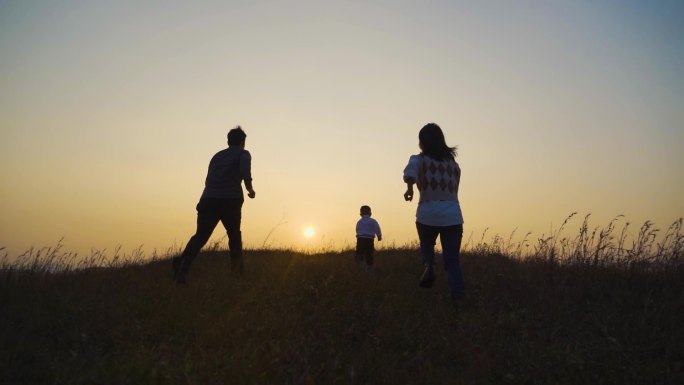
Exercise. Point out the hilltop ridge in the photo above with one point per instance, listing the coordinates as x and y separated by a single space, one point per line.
296 318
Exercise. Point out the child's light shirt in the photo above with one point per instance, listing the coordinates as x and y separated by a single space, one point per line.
368 227
433 212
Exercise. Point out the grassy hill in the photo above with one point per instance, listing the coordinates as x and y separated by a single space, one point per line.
297 318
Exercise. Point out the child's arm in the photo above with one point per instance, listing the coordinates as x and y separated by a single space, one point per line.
378 232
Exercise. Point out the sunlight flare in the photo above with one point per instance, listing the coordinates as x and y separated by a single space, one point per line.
309 232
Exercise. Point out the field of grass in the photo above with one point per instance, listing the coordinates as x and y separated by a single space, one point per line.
300 318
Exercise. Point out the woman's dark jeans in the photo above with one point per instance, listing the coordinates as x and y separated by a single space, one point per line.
450 237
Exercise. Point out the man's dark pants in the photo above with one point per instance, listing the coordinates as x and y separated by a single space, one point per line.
209 212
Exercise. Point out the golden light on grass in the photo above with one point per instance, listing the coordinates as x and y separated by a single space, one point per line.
309 232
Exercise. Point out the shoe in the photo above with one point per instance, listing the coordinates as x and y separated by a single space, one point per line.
176 263
457 303
428 277
179 276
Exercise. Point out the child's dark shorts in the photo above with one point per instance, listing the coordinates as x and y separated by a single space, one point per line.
364 250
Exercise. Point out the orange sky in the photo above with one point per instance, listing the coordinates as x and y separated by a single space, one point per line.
109 114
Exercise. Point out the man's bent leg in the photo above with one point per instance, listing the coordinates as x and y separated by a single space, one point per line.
235 249
231 219
207 219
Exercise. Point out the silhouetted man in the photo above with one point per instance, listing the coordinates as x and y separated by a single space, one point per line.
221 201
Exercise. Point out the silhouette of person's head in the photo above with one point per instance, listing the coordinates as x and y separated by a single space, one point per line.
432 142
365 210
236 137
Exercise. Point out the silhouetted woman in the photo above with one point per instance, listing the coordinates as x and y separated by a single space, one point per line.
437 176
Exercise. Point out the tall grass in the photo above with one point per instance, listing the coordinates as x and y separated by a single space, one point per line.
595 307
594 245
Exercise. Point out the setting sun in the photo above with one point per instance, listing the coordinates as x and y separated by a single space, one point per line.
309 232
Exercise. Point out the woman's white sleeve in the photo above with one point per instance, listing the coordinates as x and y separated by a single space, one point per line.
411 170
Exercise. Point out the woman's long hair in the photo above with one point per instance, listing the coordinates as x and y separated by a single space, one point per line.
433 144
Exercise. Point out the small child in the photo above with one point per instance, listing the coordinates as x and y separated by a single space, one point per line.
366 230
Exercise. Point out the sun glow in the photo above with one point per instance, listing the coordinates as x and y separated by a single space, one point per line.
309 232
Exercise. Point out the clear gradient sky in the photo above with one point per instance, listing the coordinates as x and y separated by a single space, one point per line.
111 111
